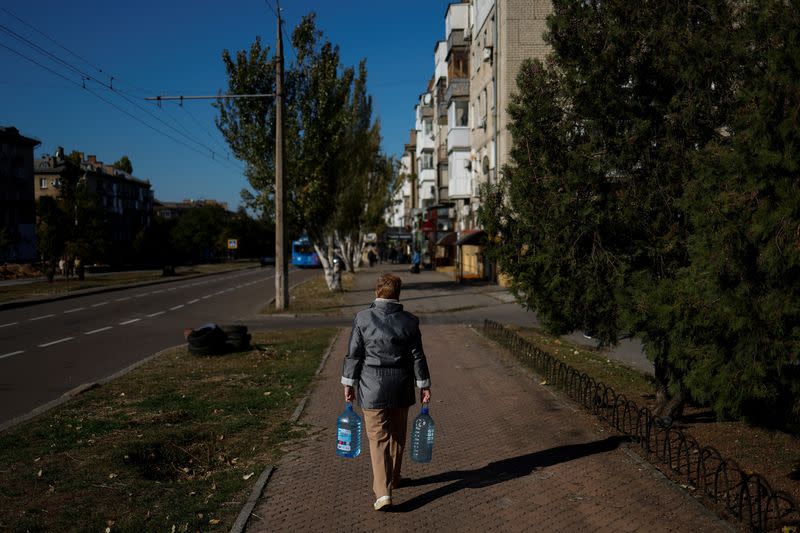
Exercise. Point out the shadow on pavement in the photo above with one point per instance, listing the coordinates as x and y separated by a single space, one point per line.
504 470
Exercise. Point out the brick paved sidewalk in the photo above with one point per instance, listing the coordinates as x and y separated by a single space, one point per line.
509 456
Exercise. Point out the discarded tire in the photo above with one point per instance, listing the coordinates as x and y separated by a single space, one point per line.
237 337
207 341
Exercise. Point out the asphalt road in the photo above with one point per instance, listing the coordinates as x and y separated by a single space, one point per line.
50 348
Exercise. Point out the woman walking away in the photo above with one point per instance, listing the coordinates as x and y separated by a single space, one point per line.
384 361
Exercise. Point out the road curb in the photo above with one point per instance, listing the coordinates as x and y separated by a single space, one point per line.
244 514
77 391
14 304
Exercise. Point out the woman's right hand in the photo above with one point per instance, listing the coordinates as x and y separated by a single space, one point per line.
424 395
349 393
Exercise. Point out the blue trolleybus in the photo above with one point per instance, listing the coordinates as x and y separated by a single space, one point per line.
303 254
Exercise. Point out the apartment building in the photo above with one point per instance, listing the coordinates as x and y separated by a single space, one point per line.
425 148
17 200
457 98
461 123
503 33
126 200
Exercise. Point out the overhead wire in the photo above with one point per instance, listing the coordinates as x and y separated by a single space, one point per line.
68 50
109 102
275 12
85 76
204 128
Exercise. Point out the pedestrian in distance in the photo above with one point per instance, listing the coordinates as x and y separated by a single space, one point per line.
415 262
384 361
62 267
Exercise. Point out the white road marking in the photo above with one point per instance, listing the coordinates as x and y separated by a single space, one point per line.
176 307
172 288
75 310
65 339
10 354
156 292
98 305
207 296
190 302
140 295
40 317
131 321
122 299
97 330
156 314
9 324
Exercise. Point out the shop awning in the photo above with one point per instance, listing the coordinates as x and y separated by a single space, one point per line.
474 238
448 239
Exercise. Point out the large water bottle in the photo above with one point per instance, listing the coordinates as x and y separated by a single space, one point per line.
422 437
348 429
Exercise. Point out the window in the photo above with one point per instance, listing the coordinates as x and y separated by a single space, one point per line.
427 126
427 160
42 183
462 115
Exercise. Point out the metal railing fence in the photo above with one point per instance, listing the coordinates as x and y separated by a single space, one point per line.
747 496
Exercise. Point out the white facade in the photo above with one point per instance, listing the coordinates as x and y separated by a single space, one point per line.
440 60
426 145
457 18
458 123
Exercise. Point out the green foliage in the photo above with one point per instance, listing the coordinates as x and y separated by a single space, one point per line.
154 245
660 148
200 233
124 164
334 174
51 230
745 247
75 157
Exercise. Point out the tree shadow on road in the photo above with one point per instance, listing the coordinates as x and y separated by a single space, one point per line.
504 470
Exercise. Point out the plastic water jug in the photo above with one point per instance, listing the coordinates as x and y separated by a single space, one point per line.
422 437
348 430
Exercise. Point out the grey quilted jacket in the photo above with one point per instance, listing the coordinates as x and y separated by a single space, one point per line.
385 358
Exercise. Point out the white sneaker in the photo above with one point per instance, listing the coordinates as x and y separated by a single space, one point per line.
382 502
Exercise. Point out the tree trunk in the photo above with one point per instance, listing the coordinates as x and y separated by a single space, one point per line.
332 273
668 406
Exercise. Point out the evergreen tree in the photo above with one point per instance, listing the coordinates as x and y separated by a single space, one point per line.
744 205
604 137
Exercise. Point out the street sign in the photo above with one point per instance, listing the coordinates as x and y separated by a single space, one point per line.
233 244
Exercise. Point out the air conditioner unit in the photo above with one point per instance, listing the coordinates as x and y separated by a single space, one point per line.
487 54
451 212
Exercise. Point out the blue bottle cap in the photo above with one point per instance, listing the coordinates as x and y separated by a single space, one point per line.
349 406
424 408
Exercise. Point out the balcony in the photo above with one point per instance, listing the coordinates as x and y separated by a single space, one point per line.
457 138
457 88
456 39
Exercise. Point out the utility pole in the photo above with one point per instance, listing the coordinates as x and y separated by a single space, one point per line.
281 266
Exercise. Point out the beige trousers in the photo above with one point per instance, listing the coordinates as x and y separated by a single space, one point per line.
386 431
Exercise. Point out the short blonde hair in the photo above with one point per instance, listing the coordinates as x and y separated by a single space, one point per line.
388 286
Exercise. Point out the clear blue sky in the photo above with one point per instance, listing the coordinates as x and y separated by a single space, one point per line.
174 47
